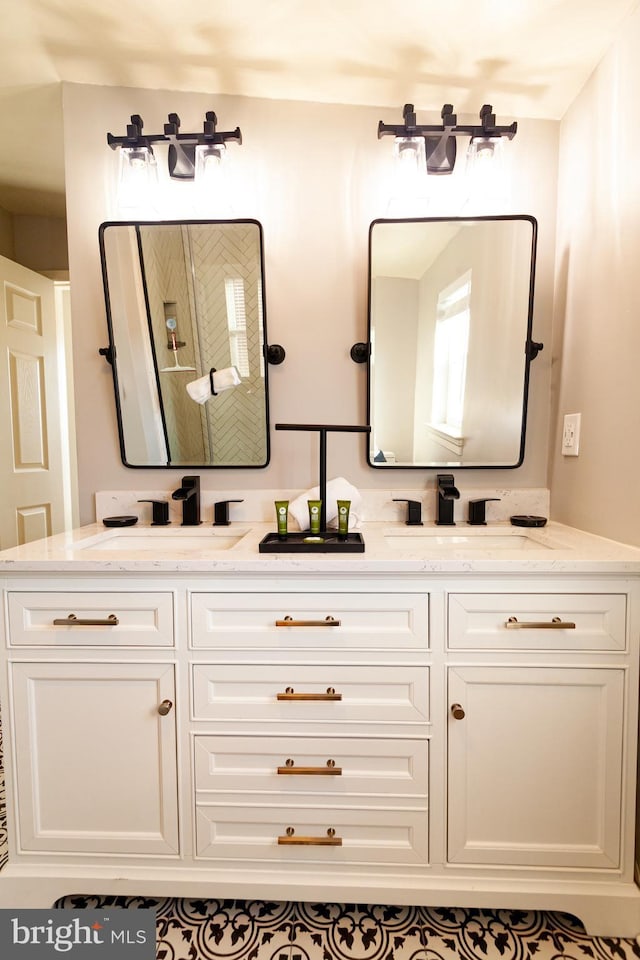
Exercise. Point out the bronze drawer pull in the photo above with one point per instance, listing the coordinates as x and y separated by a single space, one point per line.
165 707
457 711
330 770
290 694
329 841
555 624
73 621
290 622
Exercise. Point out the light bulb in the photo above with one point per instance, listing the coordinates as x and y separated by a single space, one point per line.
209 160
411 167
485 173
138 176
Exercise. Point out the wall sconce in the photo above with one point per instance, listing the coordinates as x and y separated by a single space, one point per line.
190 156
437 143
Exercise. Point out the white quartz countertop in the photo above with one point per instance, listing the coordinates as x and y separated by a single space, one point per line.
389 548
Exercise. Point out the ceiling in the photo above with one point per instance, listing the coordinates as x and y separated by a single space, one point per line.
529 58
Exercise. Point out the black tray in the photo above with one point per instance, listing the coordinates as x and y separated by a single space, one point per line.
294 543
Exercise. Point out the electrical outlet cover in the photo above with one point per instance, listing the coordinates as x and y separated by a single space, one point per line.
571 435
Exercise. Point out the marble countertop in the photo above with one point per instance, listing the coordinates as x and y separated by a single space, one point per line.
389 548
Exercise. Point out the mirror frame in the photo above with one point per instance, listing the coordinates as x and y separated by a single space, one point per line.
531 348
109 352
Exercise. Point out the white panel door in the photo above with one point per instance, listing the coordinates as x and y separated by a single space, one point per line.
535 765
95 759
32 453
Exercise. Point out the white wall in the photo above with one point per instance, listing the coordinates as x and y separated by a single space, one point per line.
597 313
315 175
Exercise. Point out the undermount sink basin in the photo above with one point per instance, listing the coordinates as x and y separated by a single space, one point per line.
163 542
424 539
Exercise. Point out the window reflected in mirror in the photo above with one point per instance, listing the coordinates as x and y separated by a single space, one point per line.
450 311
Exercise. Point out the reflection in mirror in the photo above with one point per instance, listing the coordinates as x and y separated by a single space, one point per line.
450 307
185 299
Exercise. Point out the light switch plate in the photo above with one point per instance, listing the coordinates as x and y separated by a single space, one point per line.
571 435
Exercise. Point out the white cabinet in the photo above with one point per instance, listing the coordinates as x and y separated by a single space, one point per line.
92 722
534 766
292 736
536 728
335 770
95 758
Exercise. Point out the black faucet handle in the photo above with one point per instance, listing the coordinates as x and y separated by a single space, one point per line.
221 512
159 512
414 511
477 516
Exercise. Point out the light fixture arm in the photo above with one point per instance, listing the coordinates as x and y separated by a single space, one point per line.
182 146
440 139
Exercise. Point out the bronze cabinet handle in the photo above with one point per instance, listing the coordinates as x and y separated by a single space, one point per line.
165 707
290 694
73 621
457 711
329 841
330 770
290 622
556 623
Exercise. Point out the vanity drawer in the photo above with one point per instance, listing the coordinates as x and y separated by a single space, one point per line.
143 619
264 621
359 835
300 694
331 767
485 621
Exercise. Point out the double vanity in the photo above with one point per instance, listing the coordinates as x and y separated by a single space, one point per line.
449 718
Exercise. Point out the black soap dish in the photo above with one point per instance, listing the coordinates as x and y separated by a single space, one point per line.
119 521
305 542
525 520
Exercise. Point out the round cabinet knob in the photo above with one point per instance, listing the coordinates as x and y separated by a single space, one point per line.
457 711
165 708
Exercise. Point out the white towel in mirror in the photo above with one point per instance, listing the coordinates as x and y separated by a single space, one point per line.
200 389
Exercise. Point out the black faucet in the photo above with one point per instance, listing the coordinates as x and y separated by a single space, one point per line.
189 493
447 493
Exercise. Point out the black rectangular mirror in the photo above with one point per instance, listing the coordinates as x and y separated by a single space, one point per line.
450 314
184 299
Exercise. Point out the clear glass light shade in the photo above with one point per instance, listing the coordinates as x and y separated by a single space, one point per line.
485 166
410 167
210 158
137 177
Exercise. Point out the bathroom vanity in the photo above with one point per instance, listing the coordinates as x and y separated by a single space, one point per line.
444 719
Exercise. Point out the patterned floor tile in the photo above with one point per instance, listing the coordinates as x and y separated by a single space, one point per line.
514 934
264 930
230 929
357 932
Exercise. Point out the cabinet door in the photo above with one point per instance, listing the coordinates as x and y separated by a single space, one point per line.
95 760
535 766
